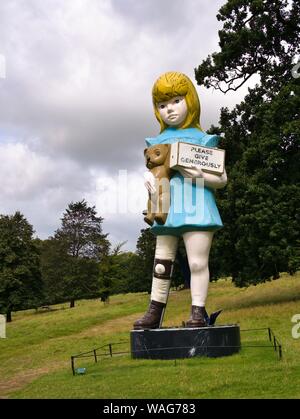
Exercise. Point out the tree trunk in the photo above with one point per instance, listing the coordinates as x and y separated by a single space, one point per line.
8 316
72 303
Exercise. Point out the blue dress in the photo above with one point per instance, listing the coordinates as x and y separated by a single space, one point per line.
193 207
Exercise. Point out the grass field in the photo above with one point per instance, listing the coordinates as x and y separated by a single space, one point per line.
35 357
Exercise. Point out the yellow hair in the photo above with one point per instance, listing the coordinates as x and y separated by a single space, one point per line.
172 84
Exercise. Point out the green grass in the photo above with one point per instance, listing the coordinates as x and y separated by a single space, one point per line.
35 358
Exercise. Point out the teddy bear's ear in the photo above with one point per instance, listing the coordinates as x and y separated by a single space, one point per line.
145 150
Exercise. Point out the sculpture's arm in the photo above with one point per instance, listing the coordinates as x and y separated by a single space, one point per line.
215 181
210 180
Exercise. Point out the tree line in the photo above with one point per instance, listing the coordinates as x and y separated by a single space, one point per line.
78 262
260 205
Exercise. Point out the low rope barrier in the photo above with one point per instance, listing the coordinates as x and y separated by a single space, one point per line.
275 344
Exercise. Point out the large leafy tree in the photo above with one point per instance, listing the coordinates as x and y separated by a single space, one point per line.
81 232
260 204
20 278
145 250
117 273
55 267
72 258
258 37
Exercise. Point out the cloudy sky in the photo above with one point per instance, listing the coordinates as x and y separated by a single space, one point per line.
75 100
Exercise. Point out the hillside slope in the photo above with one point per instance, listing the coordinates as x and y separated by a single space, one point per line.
35 358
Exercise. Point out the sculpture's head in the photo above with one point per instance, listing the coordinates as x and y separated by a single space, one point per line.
156 155
176 89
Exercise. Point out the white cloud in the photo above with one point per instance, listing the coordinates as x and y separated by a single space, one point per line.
39 186
25 173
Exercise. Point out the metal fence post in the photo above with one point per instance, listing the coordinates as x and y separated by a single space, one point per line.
270 336
275 344
72 365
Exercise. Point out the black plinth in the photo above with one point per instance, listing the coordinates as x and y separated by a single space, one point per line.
175 343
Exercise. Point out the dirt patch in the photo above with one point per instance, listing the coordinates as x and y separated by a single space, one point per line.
20 380
24 378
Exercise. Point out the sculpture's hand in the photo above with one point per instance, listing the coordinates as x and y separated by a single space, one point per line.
191 172
149 182
211 180
215 181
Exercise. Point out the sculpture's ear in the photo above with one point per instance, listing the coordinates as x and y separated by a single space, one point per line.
145 150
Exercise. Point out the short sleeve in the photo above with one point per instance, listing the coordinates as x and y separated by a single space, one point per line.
150 141
211 140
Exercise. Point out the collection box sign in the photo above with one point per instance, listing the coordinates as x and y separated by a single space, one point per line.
209 159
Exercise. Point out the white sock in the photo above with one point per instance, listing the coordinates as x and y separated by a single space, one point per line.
160 290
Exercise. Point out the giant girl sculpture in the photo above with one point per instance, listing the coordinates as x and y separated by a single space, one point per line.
177 109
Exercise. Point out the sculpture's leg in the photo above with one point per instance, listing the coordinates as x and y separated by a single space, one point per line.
198 244
166 248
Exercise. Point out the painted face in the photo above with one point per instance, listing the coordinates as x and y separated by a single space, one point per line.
174 111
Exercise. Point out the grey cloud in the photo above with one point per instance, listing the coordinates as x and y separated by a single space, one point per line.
124 229
160 15
34 95
167 16
78 91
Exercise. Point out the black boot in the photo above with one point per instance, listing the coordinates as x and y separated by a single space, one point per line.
197 318
151 318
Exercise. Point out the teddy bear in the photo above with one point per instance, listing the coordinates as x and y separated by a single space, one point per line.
158 162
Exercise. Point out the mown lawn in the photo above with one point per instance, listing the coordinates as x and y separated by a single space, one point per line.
35 358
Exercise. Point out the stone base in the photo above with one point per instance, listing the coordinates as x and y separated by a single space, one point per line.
175 343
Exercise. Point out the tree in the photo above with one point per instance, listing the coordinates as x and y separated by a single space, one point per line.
117 273
105 283
259 207
110 273
84 247
55 266
145 250
258 37
20 278
81 231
